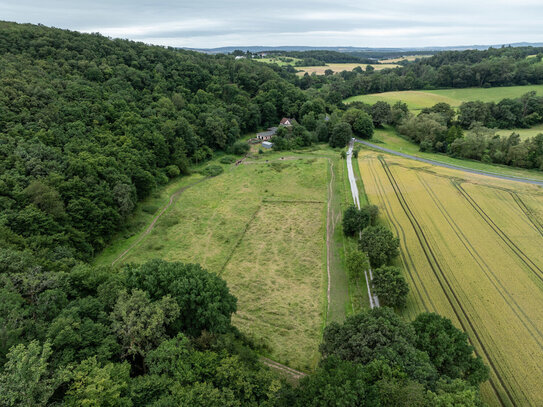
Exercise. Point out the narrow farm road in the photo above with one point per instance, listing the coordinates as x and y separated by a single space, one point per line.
451 166
374 301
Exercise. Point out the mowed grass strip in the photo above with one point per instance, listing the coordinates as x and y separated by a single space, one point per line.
477 280
277 274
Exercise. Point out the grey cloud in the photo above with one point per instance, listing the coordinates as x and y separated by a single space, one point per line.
210 23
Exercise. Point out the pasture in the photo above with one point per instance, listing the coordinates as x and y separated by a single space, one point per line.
418 100
470 250
262 227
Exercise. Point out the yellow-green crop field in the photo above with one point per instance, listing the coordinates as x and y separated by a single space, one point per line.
472 250
262 227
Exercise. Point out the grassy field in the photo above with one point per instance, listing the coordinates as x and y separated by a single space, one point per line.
523 133
390 139
471 250
319 70
262 227
417 100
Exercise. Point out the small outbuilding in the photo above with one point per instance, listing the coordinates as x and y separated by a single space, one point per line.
267 144
266 135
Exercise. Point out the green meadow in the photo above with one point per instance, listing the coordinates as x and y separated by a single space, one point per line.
417 100
262 226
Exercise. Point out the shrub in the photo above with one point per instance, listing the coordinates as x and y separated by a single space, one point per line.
227 159
240 147
172 171
212 170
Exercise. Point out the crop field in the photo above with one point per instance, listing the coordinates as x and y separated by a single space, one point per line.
262 227
405 58
471 250
319 70
417 100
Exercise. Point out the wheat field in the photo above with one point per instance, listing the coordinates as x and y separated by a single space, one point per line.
471 249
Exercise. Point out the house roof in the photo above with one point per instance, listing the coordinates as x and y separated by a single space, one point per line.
286 120
270 132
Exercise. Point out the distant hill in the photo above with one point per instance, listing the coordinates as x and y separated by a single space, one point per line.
260 48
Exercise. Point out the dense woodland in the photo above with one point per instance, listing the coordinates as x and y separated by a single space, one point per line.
90 125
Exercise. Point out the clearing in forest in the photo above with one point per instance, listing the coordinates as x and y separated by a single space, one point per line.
262 227
471 250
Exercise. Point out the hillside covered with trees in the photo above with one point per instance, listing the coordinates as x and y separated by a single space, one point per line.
89 126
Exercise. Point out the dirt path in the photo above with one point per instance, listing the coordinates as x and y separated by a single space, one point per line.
330 226
374 300
288 371
172 199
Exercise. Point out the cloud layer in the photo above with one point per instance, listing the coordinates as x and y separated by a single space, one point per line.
213 23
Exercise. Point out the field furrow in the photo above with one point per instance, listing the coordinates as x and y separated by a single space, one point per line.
476 250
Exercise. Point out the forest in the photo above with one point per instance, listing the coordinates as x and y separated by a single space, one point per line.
89 126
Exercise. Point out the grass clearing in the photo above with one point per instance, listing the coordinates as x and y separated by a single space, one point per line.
276 274
523 133
418 100
261 226
470 250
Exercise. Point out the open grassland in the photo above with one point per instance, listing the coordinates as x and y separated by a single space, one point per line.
276 274
390 139
417 100
471 250
319 70
523 133
262 227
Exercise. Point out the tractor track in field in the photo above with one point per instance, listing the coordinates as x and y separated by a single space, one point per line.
407 260
150 228
486 269
528 212
293 373
501 234
443 281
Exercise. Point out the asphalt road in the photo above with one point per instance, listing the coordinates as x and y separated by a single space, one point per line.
451 166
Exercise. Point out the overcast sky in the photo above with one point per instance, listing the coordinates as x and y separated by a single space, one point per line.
217 23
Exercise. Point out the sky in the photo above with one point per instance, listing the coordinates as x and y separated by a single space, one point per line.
362 23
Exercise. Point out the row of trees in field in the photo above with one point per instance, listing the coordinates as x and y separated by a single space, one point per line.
377 248
452 69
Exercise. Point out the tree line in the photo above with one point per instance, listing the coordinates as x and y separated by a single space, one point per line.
494 67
